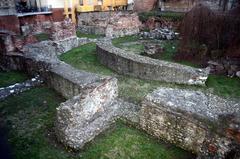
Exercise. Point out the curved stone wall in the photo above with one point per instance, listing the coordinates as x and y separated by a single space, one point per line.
148 68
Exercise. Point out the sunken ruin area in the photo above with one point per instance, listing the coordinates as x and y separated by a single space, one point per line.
179 108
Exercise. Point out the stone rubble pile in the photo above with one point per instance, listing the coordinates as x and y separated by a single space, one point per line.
160 34
230 67
153 50
19 87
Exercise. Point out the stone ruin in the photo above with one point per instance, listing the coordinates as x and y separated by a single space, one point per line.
183 117
147 68
56 30
186 118
110 24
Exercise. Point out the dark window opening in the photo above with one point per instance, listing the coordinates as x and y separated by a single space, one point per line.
26 6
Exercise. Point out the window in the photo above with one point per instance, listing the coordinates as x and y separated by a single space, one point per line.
81 2
25 6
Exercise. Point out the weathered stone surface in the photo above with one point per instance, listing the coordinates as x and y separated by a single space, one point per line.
51 49
122 24
63 30
160 33
184 117
148 68
77 117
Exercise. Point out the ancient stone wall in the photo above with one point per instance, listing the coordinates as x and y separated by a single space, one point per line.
186 118
10 24
62 30
148 68
111 24
123 24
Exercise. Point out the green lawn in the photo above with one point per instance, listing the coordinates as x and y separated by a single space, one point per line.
12 77
91 36
29 121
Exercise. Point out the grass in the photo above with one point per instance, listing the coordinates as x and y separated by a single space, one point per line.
90 36
119 41
85 58
224 86
12 77
29 117
174 16
125 142
42 36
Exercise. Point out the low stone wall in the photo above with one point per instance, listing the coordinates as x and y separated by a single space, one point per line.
185 118
75 117
91 106
148 68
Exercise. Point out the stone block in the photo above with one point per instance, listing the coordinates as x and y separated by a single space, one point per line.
84 116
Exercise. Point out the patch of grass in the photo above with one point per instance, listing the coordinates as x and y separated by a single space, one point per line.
174 16
42 36
125 142
85 58
12 77
29 119
119 41
170 51
90 36
224 86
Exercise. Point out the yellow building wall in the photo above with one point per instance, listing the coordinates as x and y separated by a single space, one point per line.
94 5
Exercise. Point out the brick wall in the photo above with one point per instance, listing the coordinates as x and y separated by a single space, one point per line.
9 23
144 5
